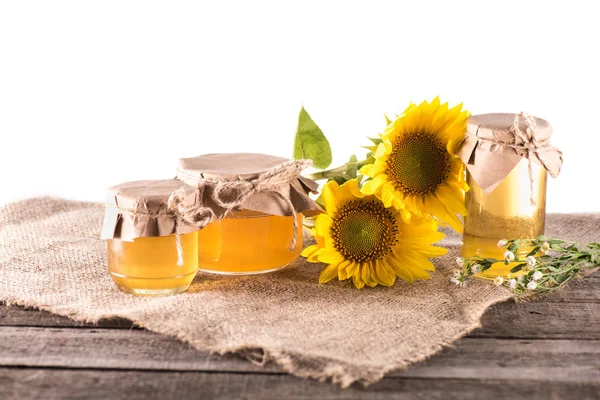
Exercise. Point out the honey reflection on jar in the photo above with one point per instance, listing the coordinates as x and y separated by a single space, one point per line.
249 242
505 213
148 265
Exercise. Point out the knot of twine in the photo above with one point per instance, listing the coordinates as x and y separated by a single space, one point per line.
230 194
526 144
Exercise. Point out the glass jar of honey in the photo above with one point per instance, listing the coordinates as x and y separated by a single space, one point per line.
257 203
150 252
507 158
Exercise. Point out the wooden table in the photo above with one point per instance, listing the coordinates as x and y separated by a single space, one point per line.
545 349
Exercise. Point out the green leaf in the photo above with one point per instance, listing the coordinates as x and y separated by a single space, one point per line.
387 120
517 268
320 201
534 251
353 166
311 143
339 179
375 141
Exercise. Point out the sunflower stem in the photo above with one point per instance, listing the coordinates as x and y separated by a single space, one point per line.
341 171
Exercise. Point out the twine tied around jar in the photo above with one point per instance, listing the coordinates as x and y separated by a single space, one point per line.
230 194
526 144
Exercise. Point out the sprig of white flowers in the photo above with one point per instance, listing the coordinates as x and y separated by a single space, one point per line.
549 264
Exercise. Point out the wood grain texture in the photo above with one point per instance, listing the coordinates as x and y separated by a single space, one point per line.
131 385
24 316
545 349
556 360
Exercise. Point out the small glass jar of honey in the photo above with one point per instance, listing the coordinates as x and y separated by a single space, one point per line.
149 251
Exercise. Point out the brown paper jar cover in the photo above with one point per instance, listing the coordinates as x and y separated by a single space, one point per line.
488 162
202 170
141 209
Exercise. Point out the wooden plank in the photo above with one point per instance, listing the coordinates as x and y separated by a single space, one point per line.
110 349
581 290
555 360
541 320
27 316
26 384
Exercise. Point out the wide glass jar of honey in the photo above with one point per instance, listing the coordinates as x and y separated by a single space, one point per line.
150 251
256 204
508 157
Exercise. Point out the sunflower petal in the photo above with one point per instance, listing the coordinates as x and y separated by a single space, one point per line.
328 194
453 199
330 257
385 275
343 271
373 186
358 283
330 272
323 225
387 195
400 269
310 250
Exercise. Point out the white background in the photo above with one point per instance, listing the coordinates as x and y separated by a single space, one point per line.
93 93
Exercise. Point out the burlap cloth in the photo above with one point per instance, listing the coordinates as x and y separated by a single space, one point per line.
51 258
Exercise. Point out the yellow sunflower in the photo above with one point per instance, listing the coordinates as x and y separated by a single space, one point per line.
415 168
364 241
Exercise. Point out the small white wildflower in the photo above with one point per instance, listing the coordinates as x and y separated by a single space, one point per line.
531 285
502 243
537 275
512 284
475 268
531 261
498 280
457 273
509 256
458 282
545 248
460 262
520 278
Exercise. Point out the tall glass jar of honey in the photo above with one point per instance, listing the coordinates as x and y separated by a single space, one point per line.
507 157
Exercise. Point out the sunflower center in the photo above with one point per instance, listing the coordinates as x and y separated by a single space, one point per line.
364 231
418 164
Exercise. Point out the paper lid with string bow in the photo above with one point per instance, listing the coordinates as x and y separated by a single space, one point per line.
141 209
249 181
495 143
208 189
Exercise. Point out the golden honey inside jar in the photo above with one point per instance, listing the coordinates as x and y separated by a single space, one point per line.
249 242
505 213
148 266
144 256
507 157
258 202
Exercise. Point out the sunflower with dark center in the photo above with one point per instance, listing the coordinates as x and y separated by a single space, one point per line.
363 240
415 168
